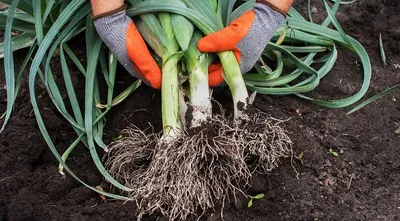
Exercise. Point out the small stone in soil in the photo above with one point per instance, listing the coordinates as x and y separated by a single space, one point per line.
214 217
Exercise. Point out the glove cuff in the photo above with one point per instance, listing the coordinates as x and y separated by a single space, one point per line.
266 21
112 12
281 6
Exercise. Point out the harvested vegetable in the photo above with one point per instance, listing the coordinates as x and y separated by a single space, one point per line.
201 158
208 157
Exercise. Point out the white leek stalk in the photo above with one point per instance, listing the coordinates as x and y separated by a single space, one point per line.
199 95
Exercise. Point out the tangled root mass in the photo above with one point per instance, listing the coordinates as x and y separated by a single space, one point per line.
198 169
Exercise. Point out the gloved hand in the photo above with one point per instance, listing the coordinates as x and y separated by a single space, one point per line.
247 36
121 36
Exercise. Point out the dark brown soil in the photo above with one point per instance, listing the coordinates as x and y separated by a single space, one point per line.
362 183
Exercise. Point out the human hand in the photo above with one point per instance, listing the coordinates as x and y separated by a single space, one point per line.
247 36
121 36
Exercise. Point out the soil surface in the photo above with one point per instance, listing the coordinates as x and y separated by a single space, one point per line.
362 183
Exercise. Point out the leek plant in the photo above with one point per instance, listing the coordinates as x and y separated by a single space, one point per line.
201 158
199 94
208 159
170 54
188 167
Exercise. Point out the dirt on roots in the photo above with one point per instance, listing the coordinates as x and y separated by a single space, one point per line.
198 169
362 183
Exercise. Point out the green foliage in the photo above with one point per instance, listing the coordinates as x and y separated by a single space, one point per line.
382 49
252 198
374 98
57 22
334 153
312 35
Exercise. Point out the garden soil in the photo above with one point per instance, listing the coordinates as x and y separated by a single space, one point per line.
361 183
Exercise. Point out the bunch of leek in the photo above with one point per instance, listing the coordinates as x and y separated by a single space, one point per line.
201 158
48 30
179 178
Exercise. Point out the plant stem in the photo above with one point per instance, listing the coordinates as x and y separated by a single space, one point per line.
199 95
170 97
234 79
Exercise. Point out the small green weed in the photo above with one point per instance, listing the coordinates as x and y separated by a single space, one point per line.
252 198
334 153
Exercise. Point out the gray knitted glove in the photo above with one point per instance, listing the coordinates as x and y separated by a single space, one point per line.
120 35
247 36
265 23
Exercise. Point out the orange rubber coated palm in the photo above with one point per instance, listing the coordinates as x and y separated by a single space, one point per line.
142 60
225 40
